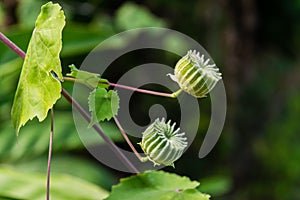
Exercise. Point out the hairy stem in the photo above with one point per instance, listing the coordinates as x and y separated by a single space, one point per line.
21 53
50 155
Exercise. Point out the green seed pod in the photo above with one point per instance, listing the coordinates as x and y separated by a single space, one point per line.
162 144
194 75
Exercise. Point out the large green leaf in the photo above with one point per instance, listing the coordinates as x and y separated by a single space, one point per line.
157 185
19 185
34 140
103 104
38 89
74 165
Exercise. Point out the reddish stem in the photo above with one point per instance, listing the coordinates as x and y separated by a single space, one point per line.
12 45
127 139
142 90
114 148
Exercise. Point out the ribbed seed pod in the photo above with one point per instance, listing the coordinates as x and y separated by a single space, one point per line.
162 144
195 75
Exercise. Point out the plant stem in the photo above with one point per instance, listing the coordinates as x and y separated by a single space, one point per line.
114 148
50 155
73 80
77 81
12 45
21 53
172 95
142 159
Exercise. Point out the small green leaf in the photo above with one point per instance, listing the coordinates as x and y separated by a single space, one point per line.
103 104
157 185
91 79
37 89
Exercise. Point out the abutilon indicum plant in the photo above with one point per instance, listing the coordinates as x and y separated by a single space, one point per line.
162 142
195 75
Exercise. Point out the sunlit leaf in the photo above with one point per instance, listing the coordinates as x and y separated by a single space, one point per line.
157 185
19 185
38 90
103 104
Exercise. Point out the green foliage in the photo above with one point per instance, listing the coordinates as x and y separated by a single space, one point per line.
157 185
103 104
216 185
283 134
64 163
19 185
1 14
131 16
28 11
38 90
33 142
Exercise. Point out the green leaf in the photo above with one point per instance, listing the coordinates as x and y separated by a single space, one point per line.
157 185
80 39
103 104
131 15
19 185
88 78
34 140
28 10
70 164
37 89
216 185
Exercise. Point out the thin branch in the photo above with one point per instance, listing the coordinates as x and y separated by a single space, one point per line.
113 147
12 45
70 79
65 78
76 80
128 141
172 95
50 155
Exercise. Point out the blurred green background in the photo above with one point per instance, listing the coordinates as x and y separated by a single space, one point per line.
256 46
